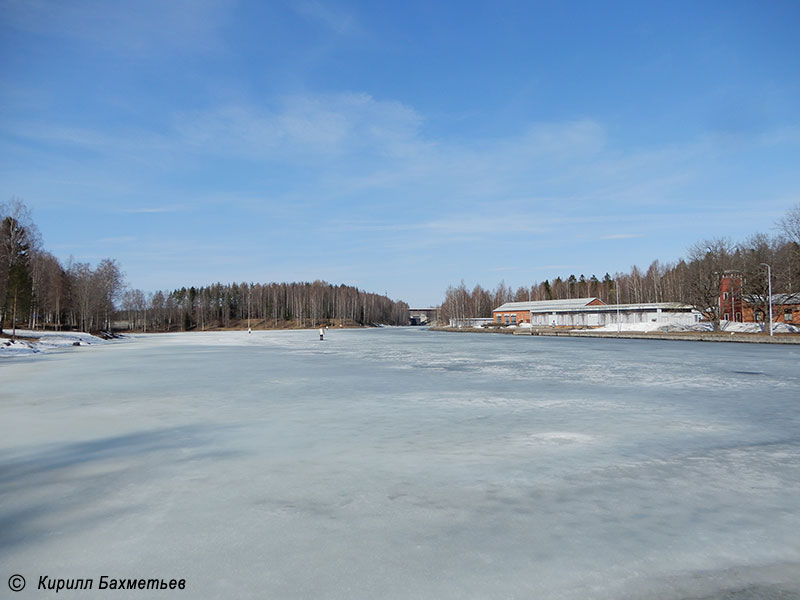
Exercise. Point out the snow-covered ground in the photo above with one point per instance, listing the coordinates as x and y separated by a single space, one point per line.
728 326
403 463
32 341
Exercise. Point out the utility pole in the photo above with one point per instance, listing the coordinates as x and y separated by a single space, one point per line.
769 287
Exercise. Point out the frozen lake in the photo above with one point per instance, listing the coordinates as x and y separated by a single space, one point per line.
402 463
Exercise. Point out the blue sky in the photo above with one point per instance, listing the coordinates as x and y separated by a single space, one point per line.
399 147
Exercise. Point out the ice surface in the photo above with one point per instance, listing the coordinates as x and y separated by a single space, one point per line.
404 463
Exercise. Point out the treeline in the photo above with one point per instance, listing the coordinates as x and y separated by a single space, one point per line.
693 280
271 305
38 292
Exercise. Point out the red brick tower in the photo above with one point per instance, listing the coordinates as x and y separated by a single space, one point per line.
730 296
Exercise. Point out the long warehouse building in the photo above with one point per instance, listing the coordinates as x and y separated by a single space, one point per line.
592 312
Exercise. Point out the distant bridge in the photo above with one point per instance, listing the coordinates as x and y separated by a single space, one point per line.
422 316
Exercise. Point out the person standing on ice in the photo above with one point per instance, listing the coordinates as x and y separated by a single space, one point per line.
321 334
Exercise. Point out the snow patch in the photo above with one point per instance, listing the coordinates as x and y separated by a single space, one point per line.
560 437
627 327
727 326
33 341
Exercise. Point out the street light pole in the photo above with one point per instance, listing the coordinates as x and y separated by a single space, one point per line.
769 287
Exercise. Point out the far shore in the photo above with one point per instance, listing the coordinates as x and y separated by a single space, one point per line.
34 334
690 336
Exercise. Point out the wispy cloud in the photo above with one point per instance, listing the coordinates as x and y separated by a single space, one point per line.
352 145
150 210
91 245
122 239
337 20
547 267
146 28
622 236
55 134
290 160
321 125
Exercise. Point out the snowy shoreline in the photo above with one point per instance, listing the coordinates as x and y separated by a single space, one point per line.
702 332
725 327
30 341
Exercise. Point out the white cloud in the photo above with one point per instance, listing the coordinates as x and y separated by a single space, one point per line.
352 145
323 125
550 181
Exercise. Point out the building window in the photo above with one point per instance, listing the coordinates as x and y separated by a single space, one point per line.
726 317
506 319
513 319
787 314
724 295
738 317
759 316
499 319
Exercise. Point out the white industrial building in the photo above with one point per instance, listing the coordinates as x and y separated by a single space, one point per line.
593 312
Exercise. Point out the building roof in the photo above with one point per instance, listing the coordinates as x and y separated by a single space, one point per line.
783 299
645 306
582 305
542 305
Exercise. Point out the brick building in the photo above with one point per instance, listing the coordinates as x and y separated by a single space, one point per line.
785 309
731 300
736 306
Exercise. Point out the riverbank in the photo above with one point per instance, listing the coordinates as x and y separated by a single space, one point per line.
29 341
685 336
254 325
